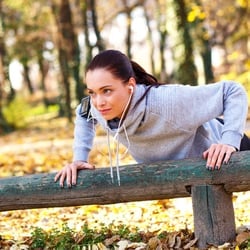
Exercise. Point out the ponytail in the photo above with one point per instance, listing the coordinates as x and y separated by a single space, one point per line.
142 77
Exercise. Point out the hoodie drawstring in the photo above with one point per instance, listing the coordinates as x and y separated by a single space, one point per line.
116 138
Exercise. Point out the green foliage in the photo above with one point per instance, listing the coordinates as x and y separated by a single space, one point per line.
91 237
126 233
67 238
41 110
16 111
39 238
54 240
19 112
62 239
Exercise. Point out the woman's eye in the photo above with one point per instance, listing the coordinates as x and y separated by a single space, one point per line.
91 93
107 91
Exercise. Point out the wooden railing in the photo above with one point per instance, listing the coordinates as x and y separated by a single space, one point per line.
211 191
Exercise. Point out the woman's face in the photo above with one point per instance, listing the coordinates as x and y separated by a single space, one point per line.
109 95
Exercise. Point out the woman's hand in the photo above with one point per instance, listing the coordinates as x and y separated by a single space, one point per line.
69 172
217 154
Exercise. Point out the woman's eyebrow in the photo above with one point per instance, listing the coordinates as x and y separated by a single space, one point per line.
103 87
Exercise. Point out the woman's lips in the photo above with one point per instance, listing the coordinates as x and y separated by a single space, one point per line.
104 111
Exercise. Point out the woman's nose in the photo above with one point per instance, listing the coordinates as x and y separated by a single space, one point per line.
100 101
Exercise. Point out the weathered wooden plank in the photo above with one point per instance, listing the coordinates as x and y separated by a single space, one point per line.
160 180
214 222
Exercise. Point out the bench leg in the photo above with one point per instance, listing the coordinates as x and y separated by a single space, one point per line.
214 222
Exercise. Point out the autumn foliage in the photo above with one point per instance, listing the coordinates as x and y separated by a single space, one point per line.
45 146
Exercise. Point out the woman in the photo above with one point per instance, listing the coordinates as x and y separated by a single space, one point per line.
155 121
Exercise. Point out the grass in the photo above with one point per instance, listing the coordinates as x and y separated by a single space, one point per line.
69 239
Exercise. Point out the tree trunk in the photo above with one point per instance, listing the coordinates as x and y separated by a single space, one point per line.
206 55
88 47
127 12
79 89
43 70
65 107
68 52
129 34
4 126
99 42
27 77
186 73
151 43
161 21
2 80
206 51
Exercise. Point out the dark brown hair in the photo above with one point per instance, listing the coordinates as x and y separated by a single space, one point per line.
122 68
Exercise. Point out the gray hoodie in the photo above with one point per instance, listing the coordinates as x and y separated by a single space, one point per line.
172 122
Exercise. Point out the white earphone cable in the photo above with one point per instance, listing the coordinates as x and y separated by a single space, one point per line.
116 137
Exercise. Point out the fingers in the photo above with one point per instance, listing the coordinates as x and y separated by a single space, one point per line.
69 172
63 174
57 176
72 176
218 154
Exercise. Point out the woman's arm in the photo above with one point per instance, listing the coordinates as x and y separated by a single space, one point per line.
84 133
197 105
193 106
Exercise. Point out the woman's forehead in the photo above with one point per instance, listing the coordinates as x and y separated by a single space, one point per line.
100 78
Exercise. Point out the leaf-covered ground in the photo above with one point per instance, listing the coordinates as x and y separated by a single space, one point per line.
45 147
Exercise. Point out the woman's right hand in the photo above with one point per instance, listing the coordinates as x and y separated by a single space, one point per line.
69 172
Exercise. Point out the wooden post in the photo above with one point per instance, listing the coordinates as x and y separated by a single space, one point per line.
214 222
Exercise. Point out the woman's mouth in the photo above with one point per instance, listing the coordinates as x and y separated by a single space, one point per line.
104 111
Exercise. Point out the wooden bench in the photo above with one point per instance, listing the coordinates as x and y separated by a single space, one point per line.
211 191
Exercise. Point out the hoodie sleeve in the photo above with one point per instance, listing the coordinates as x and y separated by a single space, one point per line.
84 133
193 106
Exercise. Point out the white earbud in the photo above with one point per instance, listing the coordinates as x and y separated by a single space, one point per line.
131 88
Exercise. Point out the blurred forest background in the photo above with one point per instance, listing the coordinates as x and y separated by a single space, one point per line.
46 44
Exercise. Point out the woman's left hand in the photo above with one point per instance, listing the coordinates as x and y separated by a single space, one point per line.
217 154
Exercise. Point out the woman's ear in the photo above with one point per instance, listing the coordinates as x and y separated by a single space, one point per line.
131 88
131 83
